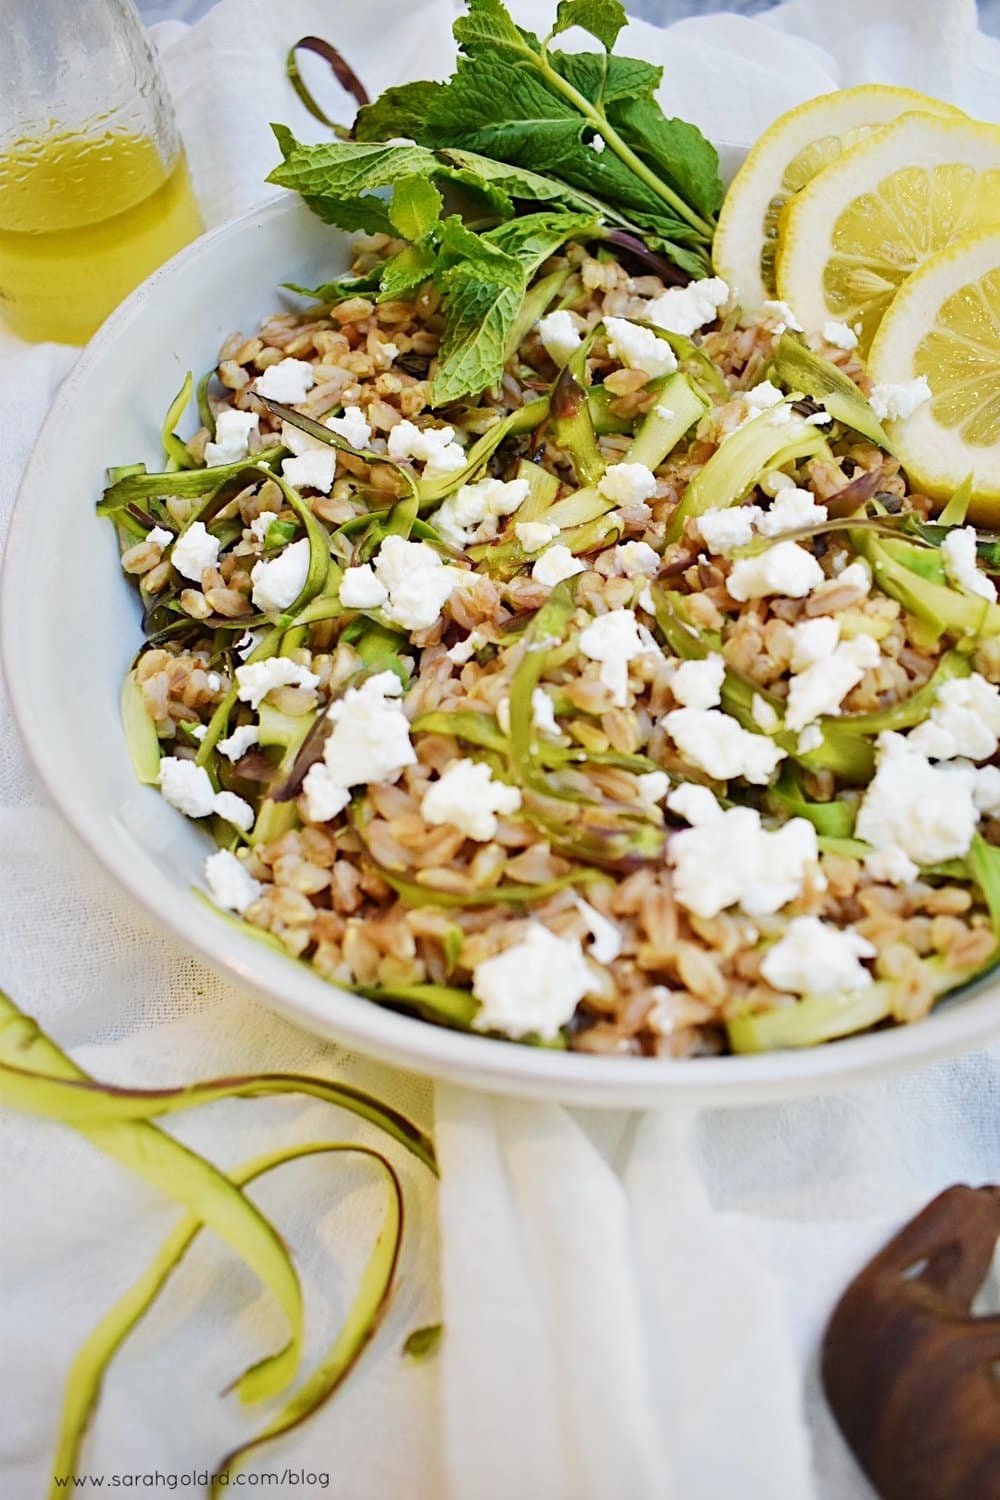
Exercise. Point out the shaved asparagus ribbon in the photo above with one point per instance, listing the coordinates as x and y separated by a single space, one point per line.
36 1076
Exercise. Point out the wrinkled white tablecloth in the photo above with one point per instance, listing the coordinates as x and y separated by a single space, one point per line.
632 1305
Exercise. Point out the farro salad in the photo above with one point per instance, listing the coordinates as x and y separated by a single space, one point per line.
553 645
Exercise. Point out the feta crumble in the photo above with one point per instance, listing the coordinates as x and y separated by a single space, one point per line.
839 334
236 745
636 560
559 334
965 720
256 679
195 550
695 803
534 535
697 684
790 509
763 396
278 583
897 403
772 308
556 563
466 796
639 348
259 524
814 958
434 447
312 470
370 741
732 860
763 715
821 688
605 938
543 715
928 812
417 582
532 988
288 381
473 513
627 484
721 747
728 528
785 568
814 640
232 437
234 809
160 537
229 883
188 787
685 309
360 589
810 739
890 866
652 787
352 426
464 651
958 553
614 640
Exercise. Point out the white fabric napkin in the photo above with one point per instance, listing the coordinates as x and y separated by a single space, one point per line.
632 1304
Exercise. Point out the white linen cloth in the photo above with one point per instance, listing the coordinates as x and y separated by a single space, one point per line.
632 1304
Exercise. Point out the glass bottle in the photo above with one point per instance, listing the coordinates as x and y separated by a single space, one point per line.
94 188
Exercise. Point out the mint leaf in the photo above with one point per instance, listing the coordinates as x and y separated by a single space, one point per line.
488 26
602 18
484 288
400 111
344 168
674 148
416 207
403 273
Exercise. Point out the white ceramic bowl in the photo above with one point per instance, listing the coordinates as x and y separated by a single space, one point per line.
70 626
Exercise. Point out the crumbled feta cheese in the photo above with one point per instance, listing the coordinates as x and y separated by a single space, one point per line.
927 811
473 513
732 860
819 419
986 788
965 720
556 563
229 883
857 575
790 509
234 810
697 684
597 143
559 334
958 553
664 412
278 583
772 308
257 678
298 442
721 747
198 731
636 560
236 745
896 403
695 803
213 682
605 937
639 348
822 687
543 715
763 715
533 535
685 309
360 589
532 988
323 795
160 536
259 524
314 470
732 526
232 437
464 651
352 426
287 381
762 397
810 739
774 481
652 786
186 786
248 643
466 796
839 334
434 447
814 640
386 352
370 741
195 550
816 958
627 484
890 866
786 568
416 580
614 640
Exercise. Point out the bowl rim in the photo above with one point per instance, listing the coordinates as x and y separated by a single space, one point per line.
301 995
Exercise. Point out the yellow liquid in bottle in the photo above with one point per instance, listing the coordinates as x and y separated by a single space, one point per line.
82 221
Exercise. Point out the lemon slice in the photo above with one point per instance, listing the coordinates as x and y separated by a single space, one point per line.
944 324
787 156
864 224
